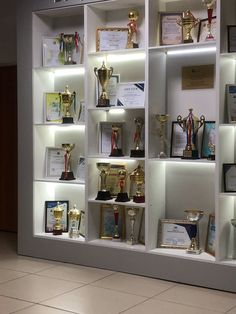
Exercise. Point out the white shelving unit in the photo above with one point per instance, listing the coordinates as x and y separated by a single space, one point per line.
171 185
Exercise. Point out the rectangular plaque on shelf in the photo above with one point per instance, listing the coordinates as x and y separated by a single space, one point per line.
49 217
198 76
178 140
208 139
52 108
230 90
229 174
54 161
210 239
111 38
130 94
170 32
231 38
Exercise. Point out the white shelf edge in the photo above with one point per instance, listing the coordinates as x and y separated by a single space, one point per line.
200 160
227 194
62 67
183 46
117 244
112 202
63 237
46 180
121 51
227 124
126 158
116 107
229 262
61 125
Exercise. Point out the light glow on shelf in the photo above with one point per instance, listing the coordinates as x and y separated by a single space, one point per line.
67 128
116 111
189 51
122 57
67 71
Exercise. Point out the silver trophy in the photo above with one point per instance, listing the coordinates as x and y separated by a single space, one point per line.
132 212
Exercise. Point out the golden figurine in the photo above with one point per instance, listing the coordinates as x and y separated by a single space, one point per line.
137 178
67 174
133 29
122 196
138 151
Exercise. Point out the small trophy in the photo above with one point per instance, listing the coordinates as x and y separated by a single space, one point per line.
103 194
137 178
115 140
68 105
122 196
103 75
133 29
67 174
69 43
187 22
132 212
74 219
162 119
116 235
194 215
210 5
190 126
138 151
57 213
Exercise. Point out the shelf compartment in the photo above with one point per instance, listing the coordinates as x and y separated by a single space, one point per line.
118 245
113 202
202 47
63 237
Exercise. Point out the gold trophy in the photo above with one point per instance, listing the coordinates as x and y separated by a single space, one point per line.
122 196
103 75
116 151
74 219
69 43
132 212
116 235
133 29
187 22
103 194
57 213
137 179
162 119
68 105
210 5
190 126
67 174
194 215
138 151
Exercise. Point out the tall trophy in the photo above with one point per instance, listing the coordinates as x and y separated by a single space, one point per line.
138 150
103 75
116 151
116 235
187 22
162 119
68 105
103 194
210 5
69 43
133 29
194 215
57 213
190 126
132 212
137 179
67 174
122 196
74 219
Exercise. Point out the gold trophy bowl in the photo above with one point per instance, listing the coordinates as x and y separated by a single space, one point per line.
57 213
187 22
194 215
74 217
67 102
103 194
162 119
67 174
103 75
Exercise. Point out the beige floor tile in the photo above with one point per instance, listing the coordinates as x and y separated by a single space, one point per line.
199 297
40 309
35 288
75 273
232 311
95 300
146 287
8 305
6 275
161 307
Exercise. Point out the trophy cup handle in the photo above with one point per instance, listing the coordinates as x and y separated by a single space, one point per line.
96 71
110 72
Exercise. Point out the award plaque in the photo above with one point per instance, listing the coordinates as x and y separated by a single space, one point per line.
52 108
112 222
130 94
229 172
111 38
231 102
170 32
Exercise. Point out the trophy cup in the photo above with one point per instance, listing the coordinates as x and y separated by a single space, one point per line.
103 75
115 136
162 119
122 196
187 22
194 215
116 235
69 42
138 151
137 178
74 217
67 174
210 5
103 194
190 126
67 102
133 29
57 213
132 212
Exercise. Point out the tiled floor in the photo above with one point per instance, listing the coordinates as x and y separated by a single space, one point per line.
33 286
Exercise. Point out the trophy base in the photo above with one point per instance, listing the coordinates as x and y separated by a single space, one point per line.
116 238
188 41
131 241
116 153
73 233
69 62
103 196
103 103
57 232
196 252
67 176
190 154
162 155
67 120
211 157
139 199
132 45
137 153
122 197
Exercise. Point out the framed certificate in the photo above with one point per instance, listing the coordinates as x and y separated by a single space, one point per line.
49 217
203 30
130 94
229 173
112 38
54 161
208 139
170 32
198 76
51 52
82 224
105 136
52 108
178 140
174 233
210 239
111 89
231 102
231 38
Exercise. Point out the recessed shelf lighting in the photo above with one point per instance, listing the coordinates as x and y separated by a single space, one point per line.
189 51
67 71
